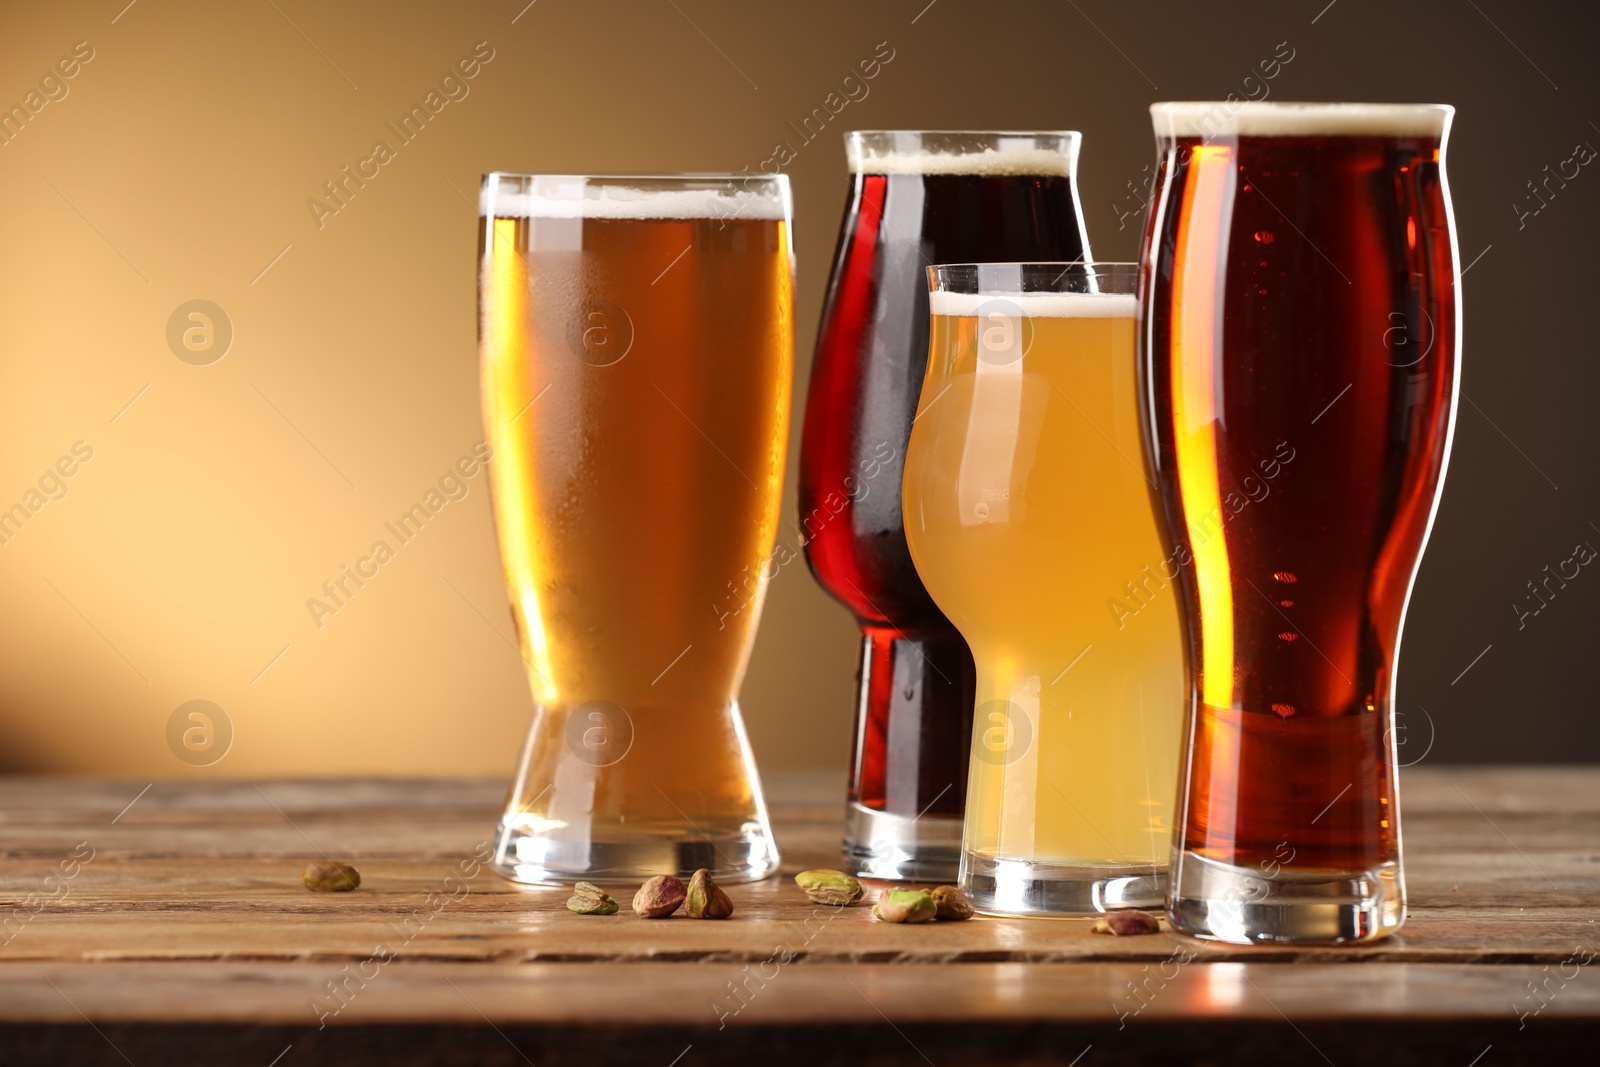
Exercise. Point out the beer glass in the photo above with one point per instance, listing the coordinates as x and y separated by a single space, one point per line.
1030 520
636 345
1299 331
916 198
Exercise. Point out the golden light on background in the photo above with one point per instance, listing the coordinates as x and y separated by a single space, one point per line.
178 493
239 309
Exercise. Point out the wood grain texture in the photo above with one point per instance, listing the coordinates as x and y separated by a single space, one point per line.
188 930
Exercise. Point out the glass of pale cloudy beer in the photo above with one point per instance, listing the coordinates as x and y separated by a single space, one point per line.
1029 516
1300 331
636 347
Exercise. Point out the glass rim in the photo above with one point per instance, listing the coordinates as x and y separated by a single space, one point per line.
1291 118
1297 105
707 176
754 196
1094 266
963 133
967 153
1015 278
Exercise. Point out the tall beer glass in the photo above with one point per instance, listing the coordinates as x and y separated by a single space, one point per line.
636 344
916 198
1299 333
1030 520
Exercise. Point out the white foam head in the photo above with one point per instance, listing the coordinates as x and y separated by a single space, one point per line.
556 197
1036 305
1206 119
891 152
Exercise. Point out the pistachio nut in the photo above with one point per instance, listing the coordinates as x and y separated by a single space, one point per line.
589 899
904 906
1127 922
659 897
326 876
705 899
951 902
829 887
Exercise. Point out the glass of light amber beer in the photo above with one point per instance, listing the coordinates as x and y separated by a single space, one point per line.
636 347
1029 517
1299 320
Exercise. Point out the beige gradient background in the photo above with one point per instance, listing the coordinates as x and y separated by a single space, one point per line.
178 167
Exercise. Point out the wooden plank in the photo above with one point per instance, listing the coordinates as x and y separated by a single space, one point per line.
741 994
443 1013
209 871
258 914
187 932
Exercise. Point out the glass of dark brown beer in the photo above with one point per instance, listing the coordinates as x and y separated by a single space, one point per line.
636 347
1299 333
916 198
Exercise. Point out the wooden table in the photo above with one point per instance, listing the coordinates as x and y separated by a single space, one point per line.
177 932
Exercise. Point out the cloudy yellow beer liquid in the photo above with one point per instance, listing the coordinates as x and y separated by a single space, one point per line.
1029 519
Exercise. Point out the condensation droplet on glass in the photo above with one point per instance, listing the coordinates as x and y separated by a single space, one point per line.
981 510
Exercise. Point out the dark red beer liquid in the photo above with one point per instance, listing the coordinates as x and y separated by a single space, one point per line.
914 711
1332 393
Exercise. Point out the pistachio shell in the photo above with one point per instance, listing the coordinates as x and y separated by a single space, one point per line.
705 899
659 897
589 899
951 902
904 906
1127 922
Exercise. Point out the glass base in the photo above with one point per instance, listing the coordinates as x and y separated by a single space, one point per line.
539 859
1241 905
896 848
1033 887
580 809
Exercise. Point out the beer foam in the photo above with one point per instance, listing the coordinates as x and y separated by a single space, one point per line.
1037 305
1206 119
989 163
623 202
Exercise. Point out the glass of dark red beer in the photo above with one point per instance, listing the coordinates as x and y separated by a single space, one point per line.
917 198
1299 328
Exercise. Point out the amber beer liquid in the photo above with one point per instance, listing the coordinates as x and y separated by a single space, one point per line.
1030 521
636 352
1300 332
